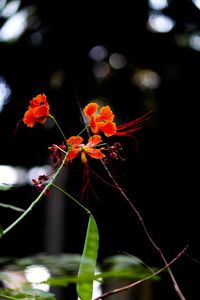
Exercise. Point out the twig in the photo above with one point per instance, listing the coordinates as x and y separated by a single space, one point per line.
175 284
129 286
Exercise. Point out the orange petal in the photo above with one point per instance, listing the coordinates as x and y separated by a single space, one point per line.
72 154
94 140
90 109
106 114
74 140
41 111
93 124
29 118
108 128
96 154
38 100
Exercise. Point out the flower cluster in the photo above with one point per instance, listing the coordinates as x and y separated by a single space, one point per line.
76 147
38 111
40 184
101 123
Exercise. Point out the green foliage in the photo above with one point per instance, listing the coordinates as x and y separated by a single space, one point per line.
1 231
64 264
26 294
125 267
11 207
88 262
64 269
5 187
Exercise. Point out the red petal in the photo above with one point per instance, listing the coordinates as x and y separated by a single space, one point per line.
90 109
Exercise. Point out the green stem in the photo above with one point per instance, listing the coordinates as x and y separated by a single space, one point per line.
71 197
36 200
3 232
52 117
83 130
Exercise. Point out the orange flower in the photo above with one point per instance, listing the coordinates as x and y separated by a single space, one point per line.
38 111
76 147
102 121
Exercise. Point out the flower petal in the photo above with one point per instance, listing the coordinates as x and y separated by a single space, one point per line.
72 154
106 114
96 153
41 111
94 140
38 111
40 99
93 124
75 140
90 109
108 128
29 118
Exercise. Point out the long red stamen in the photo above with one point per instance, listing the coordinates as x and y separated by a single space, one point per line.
87 183
133 126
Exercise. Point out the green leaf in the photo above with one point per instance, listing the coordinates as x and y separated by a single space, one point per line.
61 281
1 231
11 207
26 294
88 262
126 266
5 187
58 265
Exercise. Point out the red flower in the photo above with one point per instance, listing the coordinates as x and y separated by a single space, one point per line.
38 111
102 121
76 147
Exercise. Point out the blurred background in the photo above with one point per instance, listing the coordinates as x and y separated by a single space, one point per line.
135 57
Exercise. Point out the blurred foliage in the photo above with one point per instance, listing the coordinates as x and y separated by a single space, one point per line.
64 271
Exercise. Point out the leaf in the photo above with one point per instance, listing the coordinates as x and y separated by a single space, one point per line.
58 265
88 262
5 187
1 231
126 266
61 281
129 274
26 294
11 207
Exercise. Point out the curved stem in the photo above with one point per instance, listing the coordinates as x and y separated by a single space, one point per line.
52 117
3 232
71 197
36 200
175 284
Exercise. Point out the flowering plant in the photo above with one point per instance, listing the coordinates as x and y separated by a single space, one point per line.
100 127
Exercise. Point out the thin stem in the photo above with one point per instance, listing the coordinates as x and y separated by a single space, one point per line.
127 287
148 235
36 200
175 284
52 117
71 197
47 186
60 149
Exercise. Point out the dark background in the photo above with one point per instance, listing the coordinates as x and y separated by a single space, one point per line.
160 178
